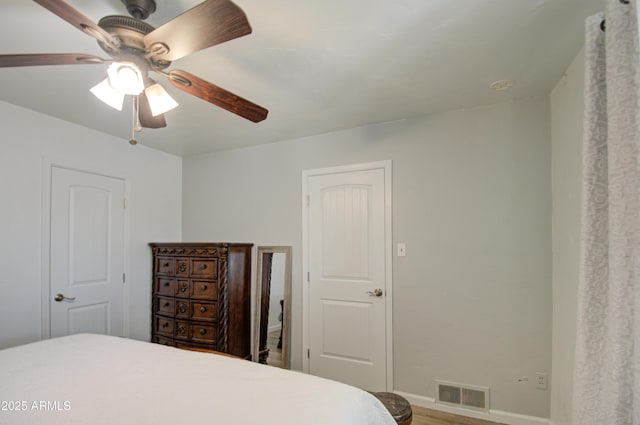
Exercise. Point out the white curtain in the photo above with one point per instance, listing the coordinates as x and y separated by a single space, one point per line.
607 368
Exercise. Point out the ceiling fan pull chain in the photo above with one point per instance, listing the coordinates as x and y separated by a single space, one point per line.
134 121
136 116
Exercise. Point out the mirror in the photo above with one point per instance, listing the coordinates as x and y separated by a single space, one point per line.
273 306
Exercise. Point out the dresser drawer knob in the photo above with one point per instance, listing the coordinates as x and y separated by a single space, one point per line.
203 288
166 284
203 309
182 308
165 324
183 288
182 330
203 331
165 265
203 266
167 304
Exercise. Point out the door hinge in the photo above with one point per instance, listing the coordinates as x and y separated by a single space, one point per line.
308 200
124 203
308 277
308 353
124 278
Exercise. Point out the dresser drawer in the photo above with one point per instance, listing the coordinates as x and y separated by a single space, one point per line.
165 306
182 267
201 346
182 330
182 309
165 341
165 286
164 326
203 333
203 311
165 266
182 288
204 290
206 269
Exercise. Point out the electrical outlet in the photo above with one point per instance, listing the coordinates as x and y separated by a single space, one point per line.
541 381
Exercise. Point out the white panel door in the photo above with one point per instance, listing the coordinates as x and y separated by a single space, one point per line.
347 323
86 254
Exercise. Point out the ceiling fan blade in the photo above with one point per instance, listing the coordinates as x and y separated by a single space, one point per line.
77 19
147 120
8 61
209 23
217 95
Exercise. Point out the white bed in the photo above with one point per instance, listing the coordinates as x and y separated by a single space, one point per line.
94 379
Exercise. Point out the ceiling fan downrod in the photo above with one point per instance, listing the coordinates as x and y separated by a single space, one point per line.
140 9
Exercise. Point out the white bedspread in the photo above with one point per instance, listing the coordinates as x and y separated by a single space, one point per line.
94 379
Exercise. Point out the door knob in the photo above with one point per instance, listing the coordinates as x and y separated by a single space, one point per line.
60 297
375 293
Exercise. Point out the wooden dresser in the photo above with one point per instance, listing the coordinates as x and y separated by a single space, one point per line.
202 296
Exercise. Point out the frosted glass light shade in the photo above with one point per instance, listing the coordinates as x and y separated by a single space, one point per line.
159 100
108 95
126 78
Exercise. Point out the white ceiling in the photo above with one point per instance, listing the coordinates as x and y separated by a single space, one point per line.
317 66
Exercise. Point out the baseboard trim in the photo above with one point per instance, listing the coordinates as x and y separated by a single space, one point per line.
493 415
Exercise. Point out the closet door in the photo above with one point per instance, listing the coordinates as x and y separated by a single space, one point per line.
347 278
86 253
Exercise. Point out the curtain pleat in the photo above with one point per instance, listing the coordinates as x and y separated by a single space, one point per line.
607 367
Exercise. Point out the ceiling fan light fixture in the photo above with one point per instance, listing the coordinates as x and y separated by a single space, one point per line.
137 48
108 94
159 100
125 77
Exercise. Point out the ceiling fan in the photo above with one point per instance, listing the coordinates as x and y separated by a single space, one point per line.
136 48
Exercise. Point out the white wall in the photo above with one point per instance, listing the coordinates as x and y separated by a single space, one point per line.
471 199
567 105
154 184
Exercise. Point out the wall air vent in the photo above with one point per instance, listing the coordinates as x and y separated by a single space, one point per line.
462 395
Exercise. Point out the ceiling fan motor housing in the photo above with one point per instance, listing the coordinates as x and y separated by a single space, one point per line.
140 9
130 34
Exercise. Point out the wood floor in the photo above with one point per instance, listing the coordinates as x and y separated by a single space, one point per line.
275 354
422 416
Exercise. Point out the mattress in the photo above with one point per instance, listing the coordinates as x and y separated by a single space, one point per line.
96 379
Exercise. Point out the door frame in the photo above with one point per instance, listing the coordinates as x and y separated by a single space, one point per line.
385 165
48 165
